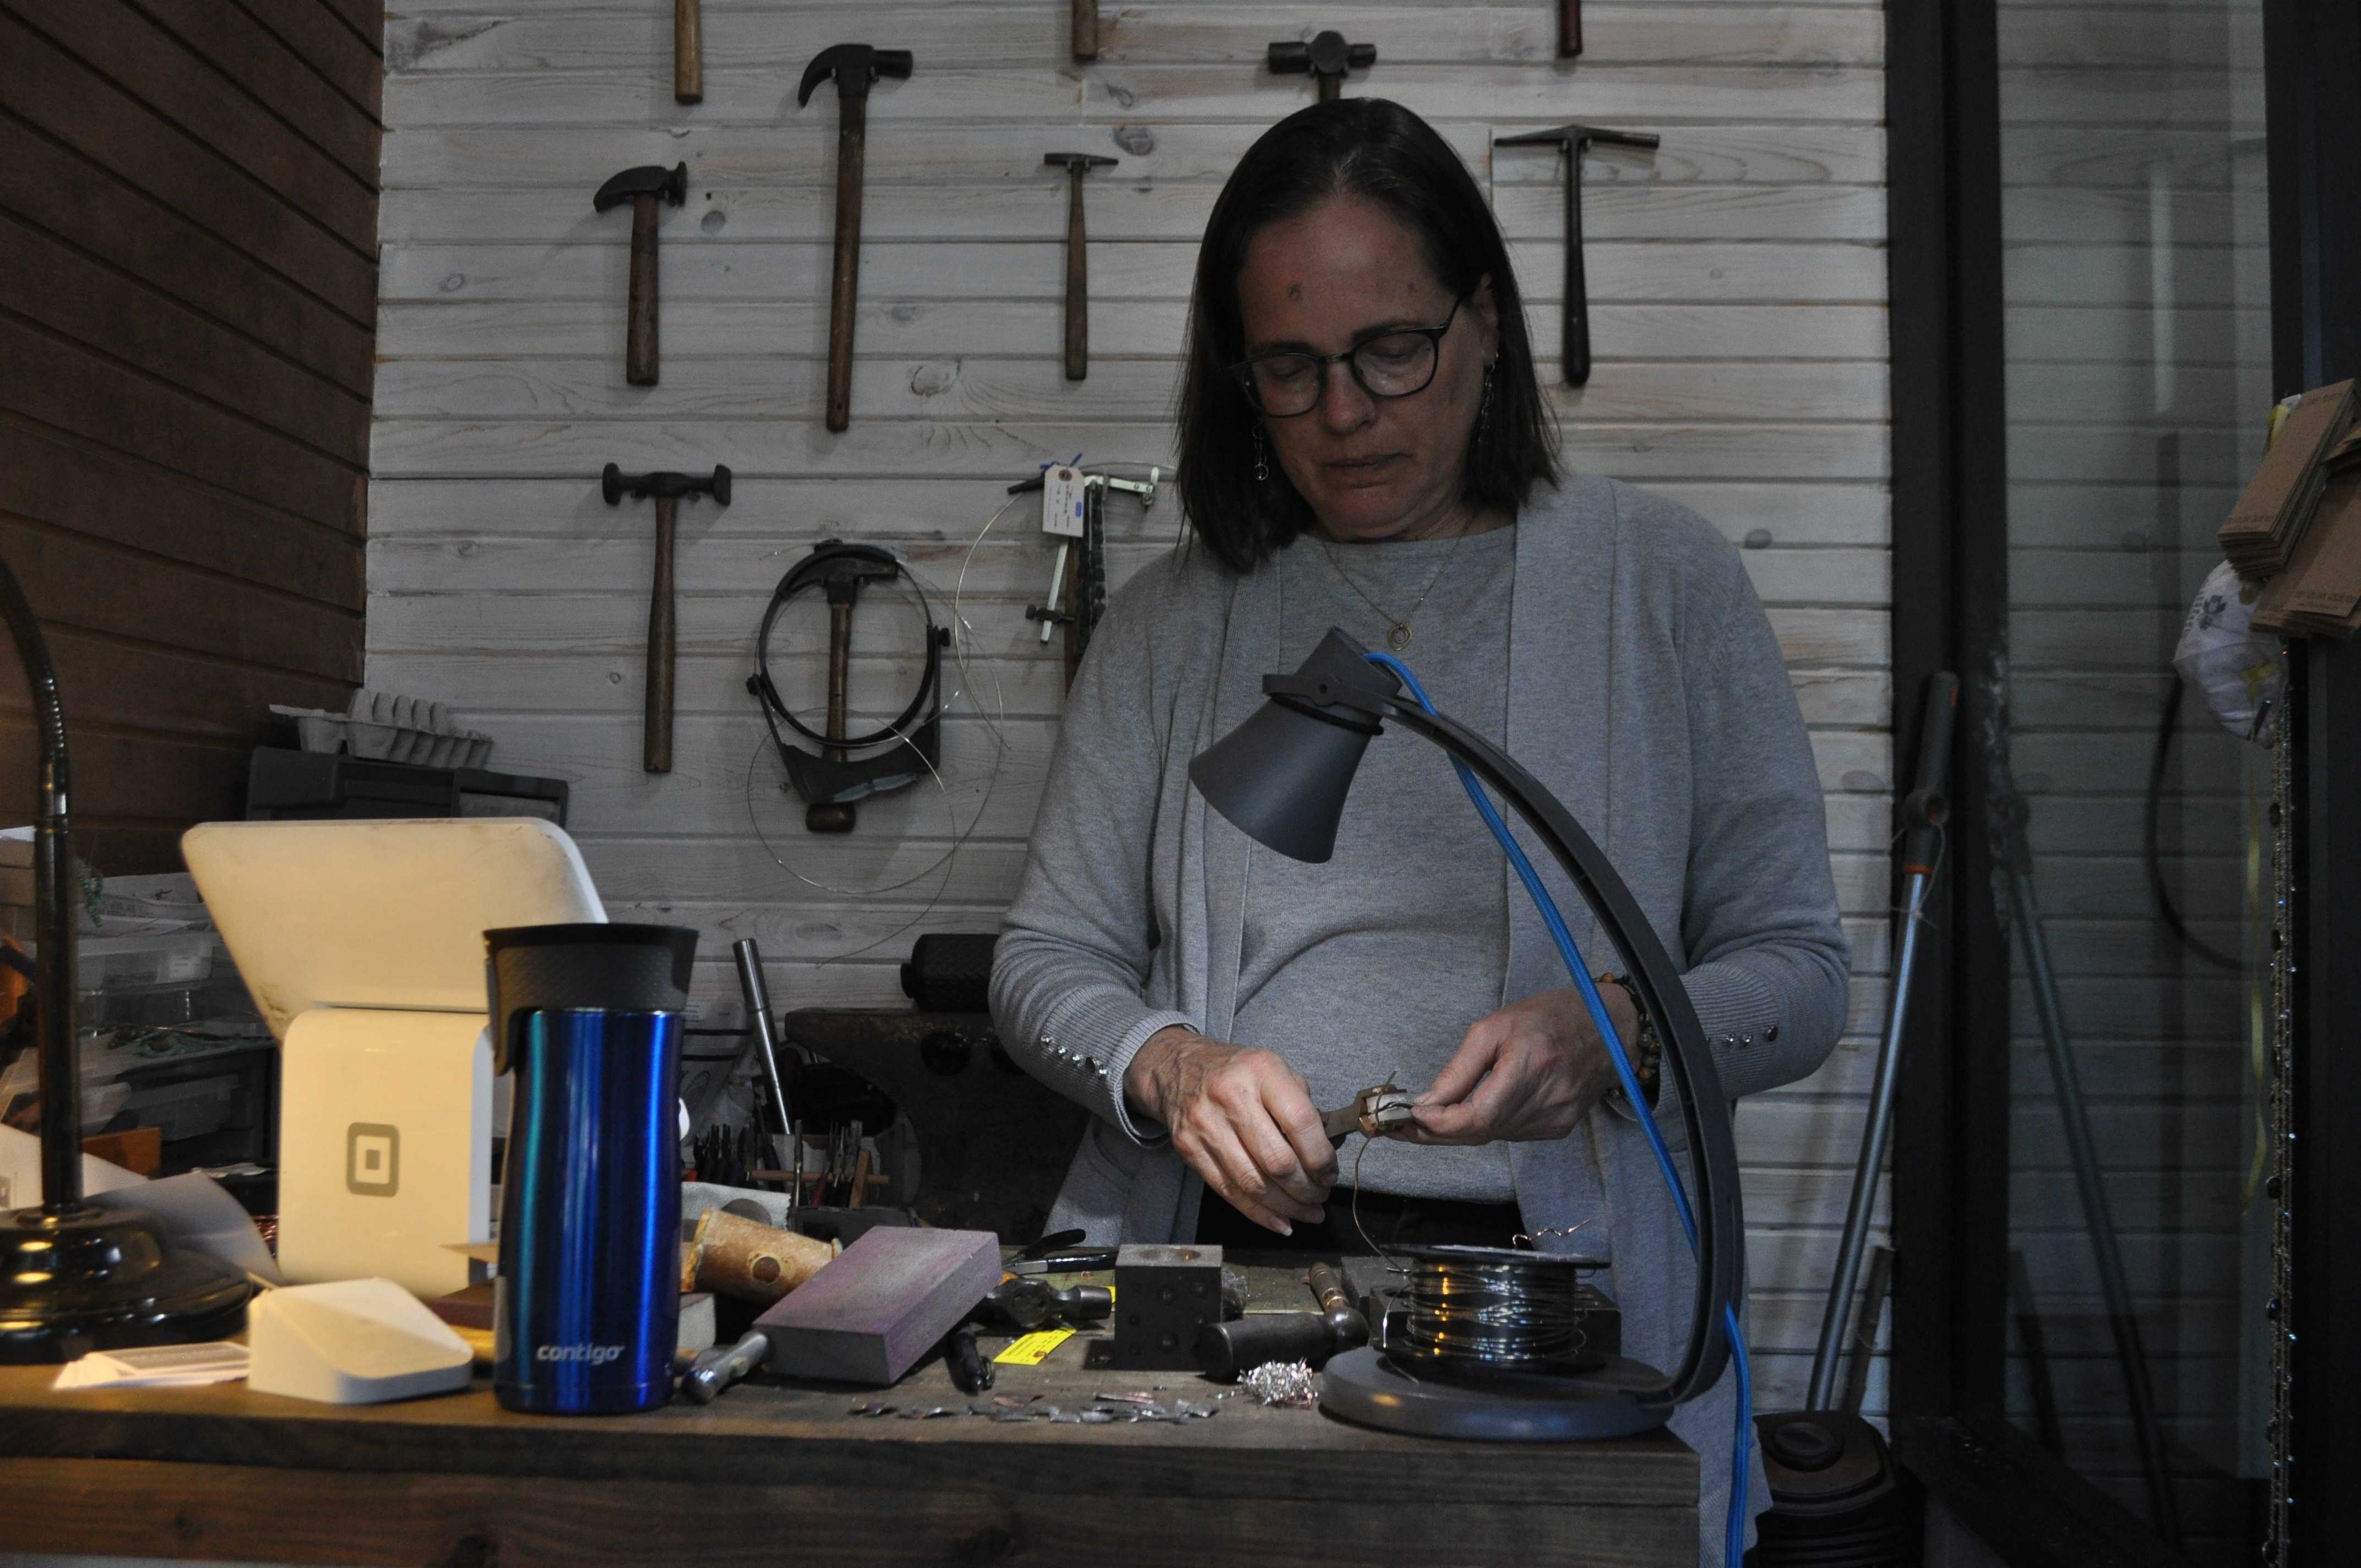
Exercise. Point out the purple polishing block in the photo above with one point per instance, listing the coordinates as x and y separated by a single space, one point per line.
880 1306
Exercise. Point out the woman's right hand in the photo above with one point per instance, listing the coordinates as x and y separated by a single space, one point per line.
1244 1120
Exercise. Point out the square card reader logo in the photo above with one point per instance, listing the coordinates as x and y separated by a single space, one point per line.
373 1159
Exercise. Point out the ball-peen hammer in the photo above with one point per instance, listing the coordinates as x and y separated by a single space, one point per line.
1078 258
665 489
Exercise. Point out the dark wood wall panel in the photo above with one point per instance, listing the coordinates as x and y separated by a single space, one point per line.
188 299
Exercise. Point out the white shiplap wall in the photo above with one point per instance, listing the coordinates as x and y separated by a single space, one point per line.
1739 282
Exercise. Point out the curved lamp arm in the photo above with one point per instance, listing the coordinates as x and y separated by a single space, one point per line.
53 908
1282 777
1705 1108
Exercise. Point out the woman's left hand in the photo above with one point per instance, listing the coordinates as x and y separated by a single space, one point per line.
1531 1070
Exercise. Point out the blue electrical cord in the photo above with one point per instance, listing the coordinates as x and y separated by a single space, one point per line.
1734 1537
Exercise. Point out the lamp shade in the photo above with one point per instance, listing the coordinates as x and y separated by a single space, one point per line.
1282 777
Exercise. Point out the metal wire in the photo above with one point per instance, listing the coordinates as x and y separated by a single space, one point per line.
1518 1313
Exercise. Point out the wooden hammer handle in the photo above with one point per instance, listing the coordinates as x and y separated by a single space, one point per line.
1569 28
656 739
1078 285
687 52
639 331
851 138
1086 29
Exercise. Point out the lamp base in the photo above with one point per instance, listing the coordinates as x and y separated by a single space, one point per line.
79 1279
1364 1387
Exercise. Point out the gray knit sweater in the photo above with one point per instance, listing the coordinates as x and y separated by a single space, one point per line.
1644 689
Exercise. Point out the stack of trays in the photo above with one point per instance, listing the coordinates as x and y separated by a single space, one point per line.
387 727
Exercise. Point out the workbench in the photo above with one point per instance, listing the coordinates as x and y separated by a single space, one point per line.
773 1472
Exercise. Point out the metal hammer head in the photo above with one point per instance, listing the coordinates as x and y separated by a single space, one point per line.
1580 136
614 484
1079 162
648 180
1327 55
852 64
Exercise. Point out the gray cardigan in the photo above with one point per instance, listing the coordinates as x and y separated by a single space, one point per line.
1645 690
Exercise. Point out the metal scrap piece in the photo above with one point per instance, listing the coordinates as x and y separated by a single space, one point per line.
1290 1385
1095 1418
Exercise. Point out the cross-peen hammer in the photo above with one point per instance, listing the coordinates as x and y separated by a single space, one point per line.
1078 260
642 187
665 489
1328 58
855 67
1576 140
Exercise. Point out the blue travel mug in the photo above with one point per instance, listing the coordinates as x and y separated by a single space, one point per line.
586 1308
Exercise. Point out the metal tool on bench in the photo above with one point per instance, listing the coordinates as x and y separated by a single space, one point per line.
642 187
907 749
1575 341
665 489
855 68
1077 257
1026 1304
1326 59
1224 1350
688 51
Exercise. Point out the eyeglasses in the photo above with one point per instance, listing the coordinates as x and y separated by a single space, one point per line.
1392 365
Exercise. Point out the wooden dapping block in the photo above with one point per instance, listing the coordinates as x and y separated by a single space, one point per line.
876 1312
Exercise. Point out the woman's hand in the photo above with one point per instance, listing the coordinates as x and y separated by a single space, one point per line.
1530 1071
1243 1119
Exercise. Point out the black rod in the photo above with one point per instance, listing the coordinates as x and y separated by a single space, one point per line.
53 911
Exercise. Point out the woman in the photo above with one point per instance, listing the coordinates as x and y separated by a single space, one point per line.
1365 444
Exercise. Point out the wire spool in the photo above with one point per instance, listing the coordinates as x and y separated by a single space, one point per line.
1491 1311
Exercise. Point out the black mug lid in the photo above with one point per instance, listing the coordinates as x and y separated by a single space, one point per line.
631 968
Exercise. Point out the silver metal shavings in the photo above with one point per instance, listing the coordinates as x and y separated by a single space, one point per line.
1290 1385
1097 1418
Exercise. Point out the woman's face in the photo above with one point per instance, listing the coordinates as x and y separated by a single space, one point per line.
1323 281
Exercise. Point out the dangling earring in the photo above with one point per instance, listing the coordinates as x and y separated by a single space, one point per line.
1262 458
1484 408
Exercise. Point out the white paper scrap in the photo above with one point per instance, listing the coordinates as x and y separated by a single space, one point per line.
155 1366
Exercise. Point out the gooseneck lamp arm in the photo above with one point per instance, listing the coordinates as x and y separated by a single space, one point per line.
53 905
1283 781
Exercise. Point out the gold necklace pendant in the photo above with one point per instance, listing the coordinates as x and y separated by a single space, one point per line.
1397 639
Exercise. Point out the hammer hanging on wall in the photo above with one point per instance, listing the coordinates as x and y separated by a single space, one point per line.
665 489
642 187
1577 139
1086 29
1326 57
854 67
1569 28
1078 259
689 51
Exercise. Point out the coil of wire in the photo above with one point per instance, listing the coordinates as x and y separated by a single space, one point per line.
1495 1308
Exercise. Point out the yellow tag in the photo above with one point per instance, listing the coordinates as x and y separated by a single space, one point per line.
1033 1348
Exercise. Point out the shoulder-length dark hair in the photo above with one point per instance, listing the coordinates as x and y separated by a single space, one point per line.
1380 152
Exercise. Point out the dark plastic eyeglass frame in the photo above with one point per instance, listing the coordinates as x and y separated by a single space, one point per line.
1244 369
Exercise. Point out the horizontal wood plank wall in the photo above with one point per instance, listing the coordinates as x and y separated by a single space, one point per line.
1740 284
2137 298
188 295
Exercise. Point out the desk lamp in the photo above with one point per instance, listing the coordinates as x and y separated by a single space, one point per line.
75 1278
1282 777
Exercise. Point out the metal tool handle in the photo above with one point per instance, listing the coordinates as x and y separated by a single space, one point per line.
851 143
1934 768
639 325
716 1369
1078 284
687 52
757 997
656 737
